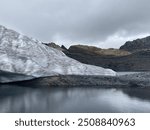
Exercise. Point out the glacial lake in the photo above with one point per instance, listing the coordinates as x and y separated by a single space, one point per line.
27 99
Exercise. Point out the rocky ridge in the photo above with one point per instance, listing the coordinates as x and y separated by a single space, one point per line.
136 45
92 50
132 56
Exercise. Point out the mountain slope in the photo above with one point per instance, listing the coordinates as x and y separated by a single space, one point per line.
92 50
114 59
24 55
136 45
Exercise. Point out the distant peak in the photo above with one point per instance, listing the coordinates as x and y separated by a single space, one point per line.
137 45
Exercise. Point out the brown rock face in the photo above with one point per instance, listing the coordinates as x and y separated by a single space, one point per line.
97 51
111 58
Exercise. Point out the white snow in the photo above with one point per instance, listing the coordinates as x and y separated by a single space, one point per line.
24 55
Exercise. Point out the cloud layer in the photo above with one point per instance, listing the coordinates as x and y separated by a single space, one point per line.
92 22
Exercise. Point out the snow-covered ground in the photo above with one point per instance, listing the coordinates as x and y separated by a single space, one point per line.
24 55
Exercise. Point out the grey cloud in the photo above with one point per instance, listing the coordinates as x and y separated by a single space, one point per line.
85 21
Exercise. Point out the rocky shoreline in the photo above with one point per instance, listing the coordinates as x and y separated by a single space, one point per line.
139 80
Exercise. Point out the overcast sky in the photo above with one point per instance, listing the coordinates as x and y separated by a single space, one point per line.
104 23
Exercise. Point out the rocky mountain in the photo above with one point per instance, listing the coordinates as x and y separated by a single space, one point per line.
136 45
23 55
118 60
92 50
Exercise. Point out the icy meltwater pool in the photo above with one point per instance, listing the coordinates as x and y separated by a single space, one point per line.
22 99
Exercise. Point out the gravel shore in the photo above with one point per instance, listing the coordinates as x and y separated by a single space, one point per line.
137 80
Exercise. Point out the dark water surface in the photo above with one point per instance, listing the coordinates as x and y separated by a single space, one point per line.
25 99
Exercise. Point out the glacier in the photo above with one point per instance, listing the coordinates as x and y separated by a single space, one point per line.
20 54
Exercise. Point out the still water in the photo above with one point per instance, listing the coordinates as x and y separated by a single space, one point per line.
25 99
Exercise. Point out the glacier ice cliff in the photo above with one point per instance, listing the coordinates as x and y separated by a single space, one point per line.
20 54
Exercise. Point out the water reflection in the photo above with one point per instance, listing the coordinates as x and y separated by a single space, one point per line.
21 99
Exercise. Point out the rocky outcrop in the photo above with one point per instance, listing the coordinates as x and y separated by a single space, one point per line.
132 56
138 61
118 60
137 45
91 50
54 45
64 48
23 55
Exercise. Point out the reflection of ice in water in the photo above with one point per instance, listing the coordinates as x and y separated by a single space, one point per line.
70 100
